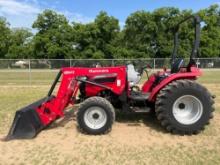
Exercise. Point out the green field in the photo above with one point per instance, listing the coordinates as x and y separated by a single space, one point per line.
135 139
24 77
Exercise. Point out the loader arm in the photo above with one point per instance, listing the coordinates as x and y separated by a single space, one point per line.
67 92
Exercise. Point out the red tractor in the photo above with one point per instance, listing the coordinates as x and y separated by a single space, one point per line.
182 106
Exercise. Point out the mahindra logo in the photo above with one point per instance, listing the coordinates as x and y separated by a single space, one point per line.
69 72
99 71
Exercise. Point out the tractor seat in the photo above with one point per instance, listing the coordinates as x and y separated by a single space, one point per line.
139 96
133 75
177 64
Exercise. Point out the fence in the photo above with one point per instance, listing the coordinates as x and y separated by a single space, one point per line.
43 71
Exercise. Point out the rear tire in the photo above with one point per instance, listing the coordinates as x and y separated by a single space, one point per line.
95 116
184 107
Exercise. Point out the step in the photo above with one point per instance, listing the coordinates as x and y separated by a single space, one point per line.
140 109
139 96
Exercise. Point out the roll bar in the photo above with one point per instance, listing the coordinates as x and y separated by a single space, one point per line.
197 26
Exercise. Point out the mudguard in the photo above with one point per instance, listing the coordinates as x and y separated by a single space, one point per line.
195 72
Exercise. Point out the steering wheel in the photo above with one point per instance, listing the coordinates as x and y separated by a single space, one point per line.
177 65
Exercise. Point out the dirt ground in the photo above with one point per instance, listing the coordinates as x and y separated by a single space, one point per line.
134 139
62 143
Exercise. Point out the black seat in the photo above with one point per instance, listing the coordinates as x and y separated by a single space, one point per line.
177 64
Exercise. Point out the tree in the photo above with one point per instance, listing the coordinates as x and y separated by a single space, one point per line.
20 43
53 39
146 34
107 30
84 37
139 34
210 36
120 49
150 34
4 37
94 40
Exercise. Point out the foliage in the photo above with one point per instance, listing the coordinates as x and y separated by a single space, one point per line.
210 38
53 39
145 34
20 46
94 40
4 37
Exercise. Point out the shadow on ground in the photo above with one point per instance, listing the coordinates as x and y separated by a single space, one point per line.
138 119
131 119
68 117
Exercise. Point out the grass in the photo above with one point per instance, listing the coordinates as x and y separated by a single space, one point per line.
135 139
210 77
24 77
14 98
46 77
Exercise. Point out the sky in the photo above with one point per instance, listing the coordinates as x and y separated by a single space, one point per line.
22 13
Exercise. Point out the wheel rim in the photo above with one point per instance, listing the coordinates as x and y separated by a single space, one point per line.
187 109
95 117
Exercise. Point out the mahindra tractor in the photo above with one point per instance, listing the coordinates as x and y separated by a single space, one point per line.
181 105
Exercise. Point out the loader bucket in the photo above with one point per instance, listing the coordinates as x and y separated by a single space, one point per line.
27 122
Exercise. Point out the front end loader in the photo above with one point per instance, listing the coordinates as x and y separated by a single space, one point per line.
182 106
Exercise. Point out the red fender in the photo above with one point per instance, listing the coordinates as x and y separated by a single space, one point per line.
195 72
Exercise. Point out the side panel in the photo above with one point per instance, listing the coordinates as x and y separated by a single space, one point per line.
115 79
195 72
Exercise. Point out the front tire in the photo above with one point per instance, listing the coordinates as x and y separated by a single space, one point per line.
95 116
184 107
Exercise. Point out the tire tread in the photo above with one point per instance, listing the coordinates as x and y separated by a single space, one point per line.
163 97
100 101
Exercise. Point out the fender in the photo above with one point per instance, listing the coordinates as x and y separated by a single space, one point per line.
193 74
